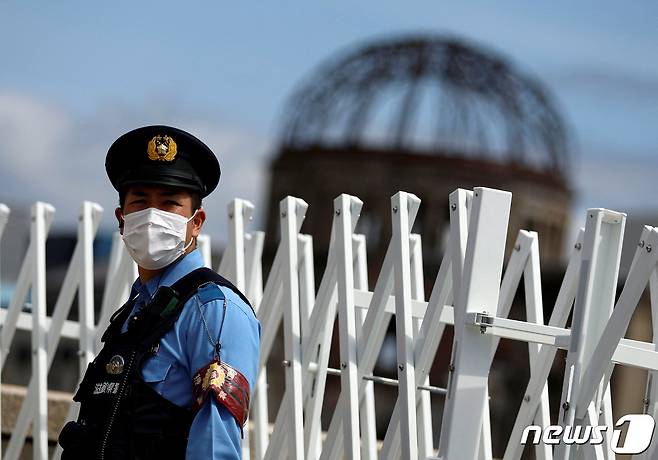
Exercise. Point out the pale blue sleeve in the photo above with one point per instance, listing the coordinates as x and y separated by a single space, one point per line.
215 433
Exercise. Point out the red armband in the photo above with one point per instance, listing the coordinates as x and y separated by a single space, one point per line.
229 387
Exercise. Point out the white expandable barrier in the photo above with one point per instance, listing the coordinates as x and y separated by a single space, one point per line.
470 293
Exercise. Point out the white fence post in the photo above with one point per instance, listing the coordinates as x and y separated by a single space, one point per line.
293 211
535 314
270 314
604 231
599 368
254 292
89 220
204 246
423 401
317 346
42 215
478 292
233 263
346 211
404 207
367 414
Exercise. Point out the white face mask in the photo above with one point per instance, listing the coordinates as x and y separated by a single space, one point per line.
155 238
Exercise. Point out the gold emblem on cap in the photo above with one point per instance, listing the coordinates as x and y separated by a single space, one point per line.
161 148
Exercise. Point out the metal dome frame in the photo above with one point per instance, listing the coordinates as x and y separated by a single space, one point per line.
487 108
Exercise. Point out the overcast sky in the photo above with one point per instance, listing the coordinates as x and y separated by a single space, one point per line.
76 75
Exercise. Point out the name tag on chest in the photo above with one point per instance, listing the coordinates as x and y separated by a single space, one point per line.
106 388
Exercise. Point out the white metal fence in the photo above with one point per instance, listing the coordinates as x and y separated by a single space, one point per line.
470 293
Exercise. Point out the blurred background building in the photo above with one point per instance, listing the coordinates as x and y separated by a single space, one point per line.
425 114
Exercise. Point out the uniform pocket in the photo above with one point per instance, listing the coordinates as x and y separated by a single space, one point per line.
155 370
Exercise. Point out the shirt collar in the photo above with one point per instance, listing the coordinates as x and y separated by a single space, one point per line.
172 273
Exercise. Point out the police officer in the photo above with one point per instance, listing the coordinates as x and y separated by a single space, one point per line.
180 358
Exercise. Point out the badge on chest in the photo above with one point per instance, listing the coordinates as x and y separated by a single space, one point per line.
115 365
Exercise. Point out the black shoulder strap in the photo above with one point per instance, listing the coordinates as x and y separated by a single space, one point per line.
118 318
188 284
167 303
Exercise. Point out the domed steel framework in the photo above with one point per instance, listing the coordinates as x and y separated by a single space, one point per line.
425 114
478 105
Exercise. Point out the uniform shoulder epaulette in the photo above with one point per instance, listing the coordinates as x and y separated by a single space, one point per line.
214 277
210 291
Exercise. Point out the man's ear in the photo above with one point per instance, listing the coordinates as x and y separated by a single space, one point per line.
197 222
119 215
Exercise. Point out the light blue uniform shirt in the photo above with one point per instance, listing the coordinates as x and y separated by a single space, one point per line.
186 348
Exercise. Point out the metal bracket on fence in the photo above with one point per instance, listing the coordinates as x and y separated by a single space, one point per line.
483 320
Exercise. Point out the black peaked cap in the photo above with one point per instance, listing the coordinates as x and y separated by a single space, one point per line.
162 155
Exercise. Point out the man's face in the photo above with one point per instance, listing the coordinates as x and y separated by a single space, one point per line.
171 199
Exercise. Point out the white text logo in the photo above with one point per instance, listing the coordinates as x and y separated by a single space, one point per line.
638 434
